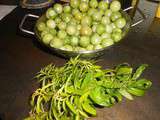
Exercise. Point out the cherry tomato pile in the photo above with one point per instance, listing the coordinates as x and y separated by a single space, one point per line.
82 25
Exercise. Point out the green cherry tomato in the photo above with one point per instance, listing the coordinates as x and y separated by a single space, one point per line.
93 3
116 36
96 16
108 12
51 13
75 11
53 32
56 43
51 23
58 8
67 40
86 30
106 35
74 41
84 41
66 17
120 23
86 20
41 26
115 30
47 38
57 20
103 5
100 29
107 42
95 39
78 16
90 47
115 16
62 34
71 29
106 20
67 9
83 6
68 48
91 11
109 28
115 6
74 3
62 25
96 47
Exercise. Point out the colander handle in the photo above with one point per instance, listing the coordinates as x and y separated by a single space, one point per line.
23 21
140 12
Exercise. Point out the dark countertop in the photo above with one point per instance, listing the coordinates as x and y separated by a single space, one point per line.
22 57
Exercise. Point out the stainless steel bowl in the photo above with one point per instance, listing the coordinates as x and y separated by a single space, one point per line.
83 54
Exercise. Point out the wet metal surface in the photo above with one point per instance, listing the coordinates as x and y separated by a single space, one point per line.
21 58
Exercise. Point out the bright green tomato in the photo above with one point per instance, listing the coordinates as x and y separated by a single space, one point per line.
107 42
115 6
103 5
100 29
83 6
116 36
68 48
67 40
120 23
74 3
75 11
58 8
51 14
96 47
57 20
86 30
41 26
90 47
43 33
73 21
74 40
91 11
53 32
108 12
93 3
47 38
81 49
95 39
87 1
79 27
94 27
86 20
78 16
62 25
96 16
115 16
109 28
106 20
67 9
113 25
71 29
56 43
84 41
62 34
115 30
50 23
66 17
101 12
106 35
